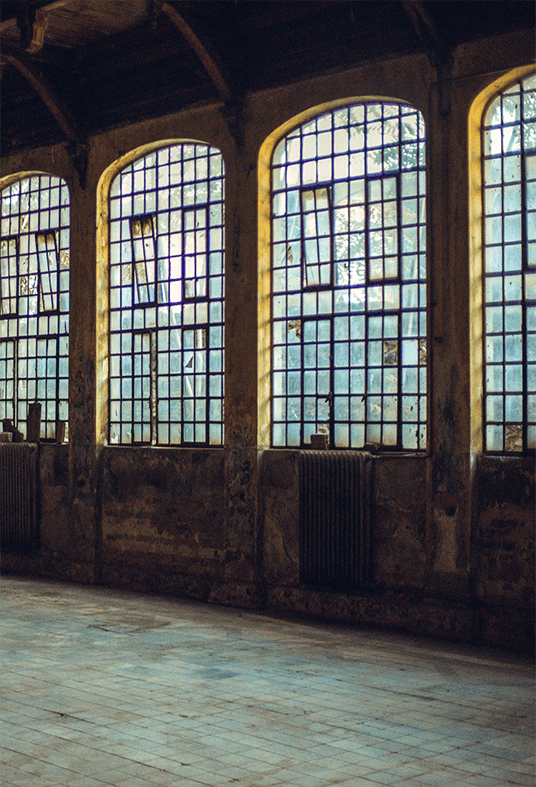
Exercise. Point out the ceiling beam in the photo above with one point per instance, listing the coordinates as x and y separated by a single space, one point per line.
38 28
426 30
46 93
438 54
203 49
32 24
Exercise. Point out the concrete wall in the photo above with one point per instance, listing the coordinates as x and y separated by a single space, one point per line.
452 532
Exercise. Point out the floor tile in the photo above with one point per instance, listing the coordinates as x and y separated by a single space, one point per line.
202 696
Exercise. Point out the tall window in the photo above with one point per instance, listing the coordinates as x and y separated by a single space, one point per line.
509 178
349 278
166 298
34 312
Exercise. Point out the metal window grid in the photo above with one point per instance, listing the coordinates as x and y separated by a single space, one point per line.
349 280
509 273
34 314
167 298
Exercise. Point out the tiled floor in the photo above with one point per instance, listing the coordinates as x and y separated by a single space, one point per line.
100 687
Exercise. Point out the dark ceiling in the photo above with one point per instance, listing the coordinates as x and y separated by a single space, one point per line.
75 67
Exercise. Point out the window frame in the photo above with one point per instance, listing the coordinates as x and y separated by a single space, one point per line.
268 290
503 396
169 297
38 331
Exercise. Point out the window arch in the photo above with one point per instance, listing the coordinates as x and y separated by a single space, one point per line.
34 316
348 279
509 268
166 298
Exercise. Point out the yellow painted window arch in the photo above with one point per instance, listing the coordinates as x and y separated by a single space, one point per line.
508 160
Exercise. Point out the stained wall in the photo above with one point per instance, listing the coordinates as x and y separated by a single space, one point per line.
452 532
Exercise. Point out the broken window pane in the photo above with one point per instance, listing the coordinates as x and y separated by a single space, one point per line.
144 254
34 292
513 437
422 352
316 221
166 272
8 275
390 352
47 256
367 160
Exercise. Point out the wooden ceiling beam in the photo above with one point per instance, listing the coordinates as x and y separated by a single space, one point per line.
32 24
203 49
427 31
46 93
38 28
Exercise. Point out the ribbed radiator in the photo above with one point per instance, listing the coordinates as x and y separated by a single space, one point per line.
334 522
18 471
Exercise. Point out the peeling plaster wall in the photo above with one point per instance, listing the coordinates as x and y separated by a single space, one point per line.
503 549
452 533
504 537
163 530
161 518
159 502
279 483
55 514
398 516
495 606
60 555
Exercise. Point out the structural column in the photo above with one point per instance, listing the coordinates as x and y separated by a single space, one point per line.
82 456
241 555
449 473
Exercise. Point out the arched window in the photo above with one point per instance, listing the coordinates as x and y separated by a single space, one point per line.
509 242
34 286
166 297
349 279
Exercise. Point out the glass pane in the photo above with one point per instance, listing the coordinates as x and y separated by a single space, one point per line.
48 271
8 275
316 220
34 290
166 262
144 256
357 177
510 228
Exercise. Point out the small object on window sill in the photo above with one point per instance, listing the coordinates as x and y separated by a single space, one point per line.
34 422
372 448
60 431
319 442
6 437
16 436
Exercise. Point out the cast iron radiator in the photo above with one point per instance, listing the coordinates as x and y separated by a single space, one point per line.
334 522
18 522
